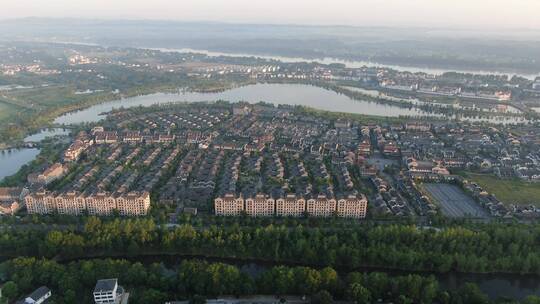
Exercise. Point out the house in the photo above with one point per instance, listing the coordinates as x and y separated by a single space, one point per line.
109 292
10 199
38 296
50 174
132 137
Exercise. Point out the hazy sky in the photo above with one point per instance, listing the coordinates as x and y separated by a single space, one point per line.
440 13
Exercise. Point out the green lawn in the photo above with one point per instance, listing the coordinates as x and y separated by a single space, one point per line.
508 191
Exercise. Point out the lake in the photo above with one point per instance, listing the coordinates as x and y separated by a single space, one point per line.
12 160
291 94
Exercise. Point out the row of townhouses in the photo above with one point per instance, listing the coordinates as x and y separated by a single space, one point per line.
75 203
291 205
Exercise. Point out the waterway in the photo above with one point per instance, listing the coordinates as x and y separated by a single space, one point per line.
512 286
347 63
291 94
46 133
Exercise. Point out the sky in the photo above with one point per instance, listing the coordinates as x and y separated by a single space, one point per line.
409 13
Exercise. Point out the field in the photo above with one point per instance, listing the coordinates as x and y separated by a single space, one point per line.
453 201
6 111
509 191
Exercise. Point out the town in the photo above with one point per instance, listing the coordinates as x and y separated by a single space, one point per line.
261 160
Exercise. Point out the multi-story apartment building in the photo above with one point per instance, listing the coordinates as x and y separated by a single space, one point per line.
290 206
72 203
133 204
229 205
260 205
352 207
321 206
75 203
41 202
263 205
101 203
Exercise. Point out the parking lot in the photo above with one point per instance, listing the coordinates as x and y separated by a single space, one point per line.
454 202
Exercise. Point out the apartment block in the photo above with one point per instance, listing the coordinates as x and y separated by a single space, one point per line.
260 205
352 207
229 205
321 206
290 206
75 203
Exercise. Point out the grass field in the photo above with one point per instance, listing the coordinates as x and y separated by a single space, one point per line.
508 191
6 111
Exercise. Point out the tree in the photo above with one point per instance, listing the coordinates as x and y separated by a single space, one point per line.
153 296
10 290
359 294
329 278
471 294
531 300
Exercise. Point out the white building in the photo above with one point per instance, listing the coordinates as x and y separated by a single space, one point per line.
109 292
38 296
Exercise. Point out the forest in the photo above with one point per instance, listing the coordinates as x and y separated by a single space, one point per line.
488 248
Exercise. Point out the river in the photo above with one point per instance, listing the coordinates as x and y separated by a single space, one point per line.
512 286
347 63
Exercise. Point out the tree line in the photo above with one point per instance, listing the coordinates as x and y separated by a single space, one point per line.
196 280
480 249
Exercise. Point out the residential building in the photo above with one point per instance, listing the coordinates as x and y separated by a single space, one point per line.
10 199
100 203
109 292
38 296
260 205
290 206
321 206
229 205
352 207
50 174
